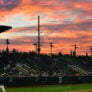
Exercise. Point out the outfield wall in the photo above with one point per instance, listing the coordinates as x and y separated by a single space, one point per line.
33 81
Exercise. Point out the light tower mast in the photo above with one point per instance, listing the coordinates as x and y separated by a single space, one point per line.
51 46
75 50
7 45
38 49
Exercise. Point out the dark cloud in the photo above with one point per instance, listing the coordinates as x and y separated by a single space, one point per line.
81 26
68 19
9 4
83 1
20 40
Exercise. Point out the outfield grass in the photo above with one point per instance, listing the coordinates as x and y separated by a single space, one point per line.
58 88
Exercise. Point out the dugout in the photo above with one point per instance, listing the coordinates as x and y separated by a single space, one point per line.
35 81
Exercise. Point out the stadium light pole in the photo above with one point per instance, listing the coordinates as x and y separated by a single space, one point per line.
4 28
38 49
51 46
75 50
7 45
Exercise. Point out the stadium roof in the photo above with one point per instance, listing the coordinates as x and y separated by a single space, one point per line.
4 28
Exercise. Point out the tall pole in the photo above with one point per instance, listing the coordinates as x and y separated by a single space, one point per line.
7 43
75 50
51 45
39 49
75 46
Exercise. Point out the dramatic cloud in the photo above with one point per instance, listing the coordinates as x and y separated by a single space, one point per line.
63 22
9 4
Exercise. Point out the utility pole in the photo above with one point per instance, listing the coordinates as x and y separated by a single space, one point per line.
51 46
7 45
75 50
38 49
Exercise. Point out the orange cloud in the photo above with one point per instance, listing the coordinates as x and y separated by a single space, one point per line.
63 22
84 5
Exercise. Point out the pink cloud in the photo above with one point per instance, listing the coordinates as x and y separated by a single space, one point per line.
68 22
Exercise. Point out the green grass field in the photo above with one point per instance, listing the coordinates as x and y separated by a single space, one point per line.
58 88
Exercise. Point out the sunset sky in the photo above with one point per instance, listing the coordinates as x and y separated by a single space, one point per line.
63 22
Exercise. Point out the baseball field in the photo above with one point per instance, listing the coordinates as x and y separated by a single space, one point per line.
54 88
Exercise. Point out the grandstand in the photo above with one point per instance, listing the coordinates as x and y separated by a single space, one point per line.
28 69
28 65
